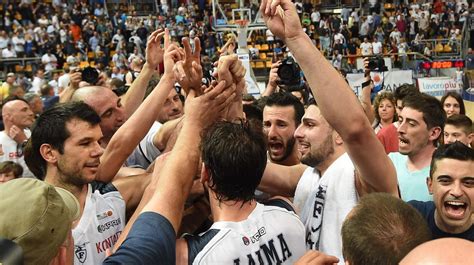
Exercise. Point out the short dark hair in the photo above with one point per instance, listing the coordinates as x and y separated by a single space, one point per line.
405 90
10 166
248 97
50 128
253 113
284 99
460 121
456 150
382 229
455 95
236 156
432 109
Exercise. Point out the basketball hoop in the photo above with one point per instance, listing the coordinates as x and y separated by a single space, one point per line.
241 23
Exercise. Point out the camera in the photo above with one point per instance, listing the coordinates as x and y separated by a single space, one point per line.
377 64
90 75
289 73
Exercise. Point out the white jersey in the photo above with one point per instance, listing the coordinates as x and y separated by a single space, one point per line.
146 152
270 235
331 198
11 152
100 225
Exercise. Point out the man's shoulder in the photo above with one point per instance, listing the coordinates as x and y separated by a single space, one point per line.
107 191
397 157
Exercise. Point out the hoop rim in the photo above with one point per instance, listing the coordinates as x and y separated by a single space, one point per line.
241 22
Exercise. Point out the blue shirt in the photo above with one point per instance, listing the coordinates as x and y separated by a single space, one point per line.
152 240
427 210
412 184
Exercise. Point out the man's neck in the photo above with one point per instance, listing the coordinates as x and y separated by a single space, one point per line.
7 127
338 151
80 192
230 211
421 159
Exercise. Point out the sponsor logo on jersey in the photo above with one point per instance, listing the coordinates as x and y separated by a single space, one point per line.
107 243
313 233
246 240
268 252
261 232
104 227
105 215
81 252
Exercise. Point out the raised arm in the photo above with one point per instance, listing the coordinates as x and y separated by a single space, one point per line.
336 100
75 78
175 182
230 69
154 56
135 128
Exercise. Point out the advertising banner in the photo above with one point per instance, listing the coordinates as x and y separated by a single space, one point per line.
438 86
390 80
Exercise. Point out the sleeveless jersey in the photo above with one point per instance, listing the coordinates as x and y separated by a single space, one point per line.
331 198
100 225
270 235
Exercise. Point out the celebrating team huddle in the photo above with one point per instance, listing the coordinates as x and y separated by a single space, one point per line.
209 180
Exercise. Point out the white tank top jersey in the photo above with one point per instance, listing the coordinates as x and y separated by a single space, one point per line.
100 225
331 198
270 235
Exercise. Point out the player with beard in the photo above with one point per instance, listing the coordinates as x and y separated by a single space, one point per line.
281 116
335 138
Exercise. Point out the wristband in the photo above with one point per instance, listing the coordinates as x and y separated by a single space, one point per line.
367 83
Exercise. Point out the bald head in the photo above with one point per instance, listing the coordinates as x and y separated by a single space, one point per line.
441 251
107 105
17 112
87 92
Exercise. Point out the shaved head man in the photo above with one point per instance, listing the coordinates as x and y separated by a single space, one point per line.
107 105
17 118
441 251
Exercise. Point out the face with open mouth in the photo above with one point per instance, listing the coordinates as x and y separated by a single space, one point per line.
413 133
452 186
315 138
279 125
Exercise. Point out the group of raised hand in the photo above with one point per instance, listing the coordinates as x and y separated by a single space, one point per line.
183 64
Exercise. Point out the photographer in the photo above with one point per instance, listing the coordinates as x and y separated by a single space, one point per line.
284 74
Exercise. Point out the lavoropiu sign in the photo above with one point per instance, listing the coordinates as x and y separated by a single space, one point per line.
438 86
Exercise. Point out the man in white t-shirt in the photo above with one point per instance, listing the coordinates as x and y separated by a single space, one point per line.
376 47
38 81
17 119
49 61
366 47
315 17
330 141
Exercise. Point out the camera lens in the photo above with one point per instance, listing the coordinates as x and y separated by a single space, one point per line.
90 75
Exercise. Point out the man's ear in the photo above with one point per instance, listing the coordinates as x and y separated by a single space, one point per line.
204 174
429 183
435 132
470 138
337 138
49 153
